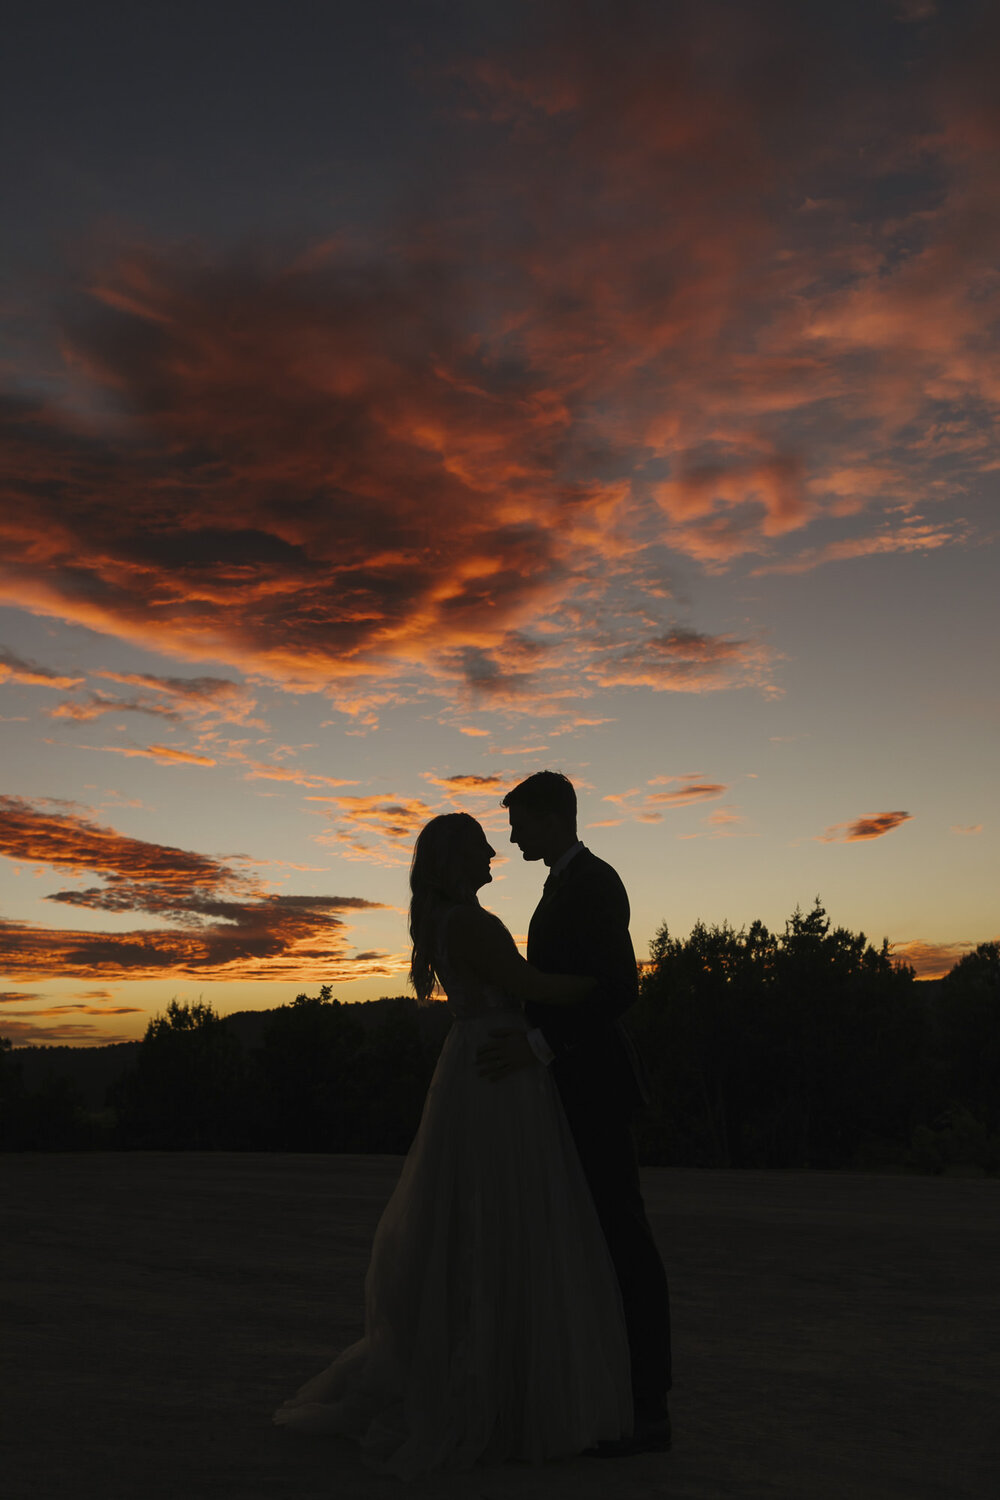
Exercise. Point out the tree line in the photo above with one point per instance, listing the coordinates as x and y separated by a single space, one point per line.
805 1049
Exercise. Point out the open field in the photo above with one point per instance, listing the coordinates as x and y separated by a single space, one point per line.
836 1336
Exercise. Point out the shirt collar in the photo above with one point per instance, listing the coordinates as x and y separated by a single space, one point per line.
564 859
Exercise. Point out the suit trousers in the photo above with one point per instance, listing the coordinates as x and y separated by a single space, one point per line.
605 1143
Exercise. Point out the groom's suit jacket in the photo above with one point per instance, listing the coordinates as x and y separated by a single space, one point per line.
580 926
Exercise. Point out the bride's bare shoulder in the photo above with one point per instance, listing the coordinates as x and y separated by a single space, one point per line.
472 924
472 917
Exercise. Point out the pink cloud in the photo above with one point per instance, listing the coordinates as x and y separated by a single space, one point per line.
911 537
774 484
874 826
690 789
402 474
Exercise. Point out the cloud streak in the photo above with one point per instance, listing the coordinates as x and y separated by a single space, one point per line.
167 754
15 668
469 784
651 805
873 826
377 827
201 699
930 960
222 923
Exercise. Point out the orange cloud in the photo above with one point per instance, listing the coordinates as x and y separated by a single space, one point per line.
930 960
971 828
874 826
260 771
723 823
70 1009
175 698
726 823
478 786
301 548
166 754
293 938
17 669
912 537
686 661
775 484
224 925
36 1031
374 827
654 320
694 792
83 710
52 832
652 806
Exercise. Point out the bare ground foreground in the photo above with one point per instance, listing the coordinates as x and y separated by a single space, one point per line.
835 1335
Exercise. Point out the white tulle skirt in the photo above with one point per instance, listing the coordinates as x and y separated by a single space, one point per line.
493 1319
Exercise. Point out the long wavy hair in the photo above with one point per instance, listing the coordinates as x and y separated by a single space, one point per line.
436 882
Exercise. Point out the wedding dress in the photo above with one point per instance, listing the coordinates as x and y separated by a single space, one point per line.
493 1319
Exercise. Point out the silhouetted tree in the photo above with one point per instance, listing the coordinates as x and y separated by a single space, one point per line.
809 1048
52 1116
775 1051
332 1077
185 1088
968 1029
303 1076
963 1127
11 1096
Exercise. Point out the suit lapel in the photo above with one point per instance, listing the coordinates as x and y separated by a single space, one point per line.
550 889
555 886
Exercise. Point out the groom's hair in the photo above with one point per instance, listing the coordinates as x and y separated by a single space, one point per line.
545 792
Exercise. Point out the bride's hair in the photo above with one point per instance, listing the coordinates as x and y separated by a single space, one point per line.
436 882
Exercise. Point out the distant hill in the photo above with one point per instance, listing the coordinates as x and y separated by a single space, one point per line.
94 1068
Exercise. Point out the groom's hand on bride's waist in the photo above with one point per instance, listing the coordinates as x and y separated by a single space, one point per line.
506 1052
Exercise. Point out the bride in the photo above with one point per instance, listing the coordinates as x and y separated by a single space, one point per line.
493 1320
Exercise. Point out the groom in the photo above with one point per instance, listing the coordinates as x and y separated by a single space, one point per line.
580 926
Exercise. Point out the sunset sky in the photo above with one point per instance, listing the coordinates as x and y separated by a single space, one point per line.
401 398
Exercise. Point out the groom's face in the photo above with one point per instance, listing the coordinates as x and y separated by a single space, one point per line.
530 832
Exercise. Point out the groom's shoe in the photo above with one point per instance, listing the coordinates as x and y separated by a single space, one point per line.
653 1436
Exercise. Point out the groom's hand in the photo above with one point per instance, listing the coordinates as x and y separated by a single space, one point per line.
508 1051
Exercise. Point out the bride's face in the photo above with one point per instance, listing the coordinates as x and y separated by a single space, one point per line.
476 857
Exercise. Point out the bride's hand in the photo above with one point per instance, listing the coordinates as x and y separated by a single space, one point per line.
509 1051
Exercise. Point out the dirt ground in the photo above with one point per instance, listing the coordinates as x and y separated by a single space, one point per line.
835 1336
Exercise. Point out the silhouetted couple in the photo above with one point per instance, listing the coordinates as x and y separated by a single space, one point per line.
515 1304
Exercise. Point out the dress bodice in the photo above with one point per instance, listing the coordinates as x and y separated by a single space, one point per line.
468 996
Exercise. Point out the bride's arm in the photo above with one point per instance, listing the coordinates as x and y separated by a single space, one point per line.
483 944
